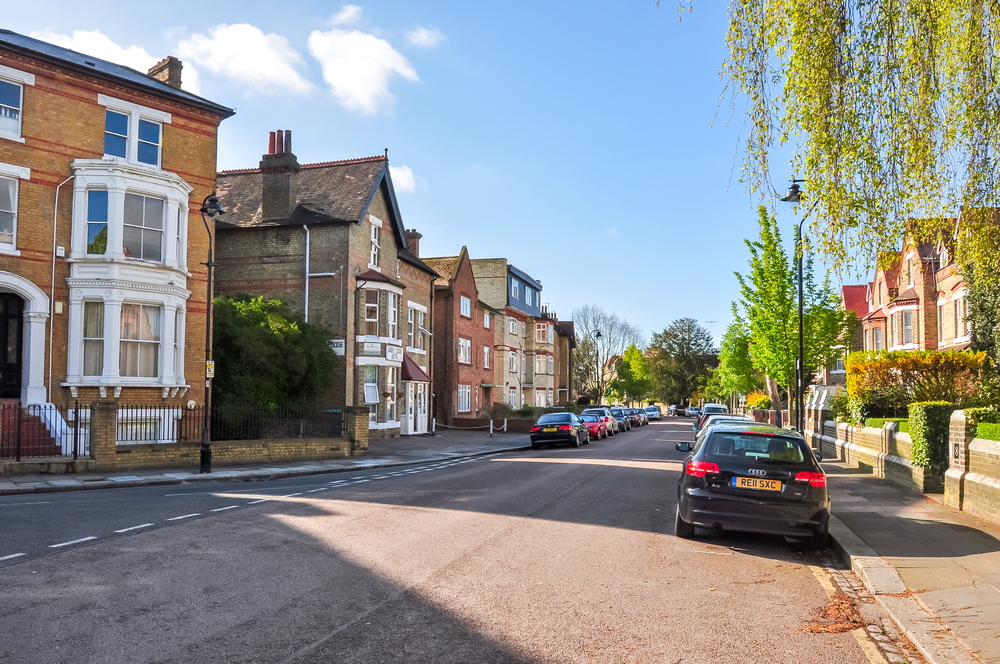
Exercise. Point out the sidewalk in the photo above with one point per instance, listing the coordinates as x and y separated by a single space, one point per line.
381 453
936 570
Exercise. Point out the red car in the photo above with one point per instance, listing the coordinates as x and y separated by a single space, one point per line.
598 429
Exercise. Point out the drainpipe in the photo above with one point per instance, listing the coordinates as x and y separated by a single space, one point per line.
313 274
52 286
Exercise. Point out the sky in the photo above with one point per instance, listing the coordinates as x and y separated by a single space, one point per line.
584 141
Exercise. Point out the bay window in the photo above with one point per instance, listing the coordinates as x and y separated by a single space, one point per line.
143 227
97 222
392 315
139 354
93 338
371 312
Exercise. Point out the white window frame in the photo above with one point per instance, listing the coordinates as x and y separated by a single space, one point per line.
540 332
465 306
421 319
486 320
464 351
14 174
135 112
550 365
512 325
464 398
411 327
126 344
552 334
372 311
370 389
376 249
391 381
878 339
164 225
539 364
907 330
486 357
512 397
392 315
514 288
21 79
512 361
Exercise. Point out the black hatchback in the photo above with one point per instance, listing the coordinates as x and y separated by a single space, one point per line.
559 428
755 479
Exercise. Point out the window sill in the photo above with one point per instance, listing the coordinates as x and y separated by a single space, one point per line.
416 351
9 251
12 137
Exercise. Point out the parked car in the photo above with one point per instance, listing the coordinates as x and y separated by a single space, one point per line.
679 411
642 414
596 426
654 413
705 417
633 418
624 423
610 421
693 411
711 408
554 428
737 421
756 479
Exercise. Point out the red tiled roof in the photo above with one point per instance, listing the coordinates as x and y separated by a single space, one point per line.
412 372
878 313
374 275
854 299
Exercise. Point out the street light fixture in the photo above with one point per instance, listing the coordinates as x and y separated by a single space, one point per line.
794 196
211 208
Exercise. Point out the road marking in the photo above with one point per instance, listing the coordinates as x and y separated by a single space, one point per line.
82 539
359 481
262 500
223 509
322 488
13 504
178 518
13 555
125 530
292 494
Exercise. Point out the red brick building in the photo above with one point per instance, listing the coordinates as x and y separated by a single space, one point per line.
463 341
102 173
328 240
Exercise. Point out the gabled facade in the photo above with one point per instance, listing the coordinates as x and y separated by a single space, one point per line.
463 340
102 173
328 240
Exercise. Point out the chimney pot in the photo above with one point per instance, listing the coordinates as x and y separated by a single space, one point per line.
279 147
270 142
288 140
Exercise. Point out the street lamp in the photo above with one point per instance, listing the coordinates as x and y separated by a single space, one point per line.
794 196
210 209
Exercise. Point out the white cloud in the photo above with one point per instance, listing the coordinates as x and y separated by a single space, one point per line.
243 53
403 179
99 45
348 14
425 38
357 66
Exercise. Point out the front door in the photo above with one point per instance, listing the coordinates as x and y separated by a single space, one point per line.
408 408
11 328
420 417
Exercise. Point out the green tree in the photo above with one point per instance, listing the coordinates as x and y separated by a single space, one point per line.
265 357
736 374
888 106
634 382
768 310
678 357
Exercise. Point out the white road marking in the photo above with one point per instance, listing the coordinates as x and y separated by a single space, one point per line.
82 539
178 518
262 500
13 504
223 509
360 481
315 490
125 530
292 494
13 555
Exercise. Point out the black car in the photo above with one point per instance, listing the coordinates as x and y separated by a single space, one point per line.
755 479
624 421
559 428
633 417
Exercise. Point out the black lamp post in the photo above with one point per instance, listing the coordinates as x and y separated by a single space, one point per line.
794 196
210 209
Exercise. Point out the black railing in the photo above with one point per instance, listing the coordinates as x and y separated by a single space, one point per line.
43 431
237 422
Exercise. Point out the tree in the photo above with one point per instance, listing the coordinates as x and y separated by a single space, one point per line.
735 374
768 310
634 382
679 356
889 107
608 336
266 357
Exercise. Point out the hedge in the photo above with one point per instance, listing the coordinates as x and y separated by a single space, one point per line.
929 422
902 424
982 416
988 430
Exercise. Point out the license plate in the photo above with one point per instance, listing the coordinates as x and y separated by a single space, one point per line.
756 483
551 429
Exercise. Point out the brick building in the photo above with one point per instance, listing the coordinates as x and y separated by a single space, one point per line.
102 173
563 350
328 240
463 341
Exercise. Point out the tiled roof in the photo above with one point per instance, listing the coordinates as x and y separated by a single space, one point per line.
375 275
878 313
445 266
108 70
854 298
331 191
909 295
412 372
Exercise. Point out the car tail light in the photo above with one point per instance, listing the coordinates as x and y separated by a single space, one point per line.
535 429
566 427
814 479
701 468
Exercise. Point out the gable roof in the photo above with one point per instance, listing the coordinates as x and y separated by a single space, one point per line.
855 299
446 267
109 71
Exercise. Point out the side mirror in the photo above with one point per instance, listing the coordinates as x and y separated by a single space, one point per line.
819 457
683 447
694 428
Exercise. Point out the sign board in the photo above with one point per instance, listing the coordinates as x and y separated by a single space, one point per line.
337 345
394 353
372 348
210 369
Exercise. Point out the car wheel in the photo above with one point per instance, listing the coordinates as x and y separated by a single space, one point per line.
819 541
682 528
576 440
536 446
586 441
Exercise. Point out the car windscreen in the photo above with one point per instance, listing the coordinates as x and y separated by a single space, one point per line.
599 413
723 446
618 412
590 418
716 409
555 418
652 409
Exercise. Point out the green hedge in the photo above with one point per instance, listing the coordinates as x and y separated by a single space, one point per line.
929 422
988 430
902 424
982 415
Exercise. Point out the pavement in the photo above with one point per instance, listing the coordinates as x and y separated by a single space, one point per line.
934 569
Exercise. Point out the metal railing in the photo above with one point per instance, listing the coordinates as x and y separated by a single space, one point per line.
43 431
234 422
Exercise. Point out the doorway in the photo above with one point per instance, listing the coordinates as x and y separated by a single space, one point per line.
11 345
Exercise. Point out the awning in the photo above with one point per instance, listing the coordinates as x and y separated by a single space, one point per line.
412 372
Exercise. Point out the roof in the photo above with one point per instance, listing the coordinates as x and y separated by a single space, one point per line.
855 299
99 68
878 313
567 328
521 274
909 295
412 372
446 267
328 191
375 275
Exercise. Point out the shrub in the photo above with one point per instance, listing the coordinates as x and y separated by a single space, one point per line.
982 416
902 424
758 399
886 381
497 411
839 406
529 412
988 431
929 430
572 407
857 411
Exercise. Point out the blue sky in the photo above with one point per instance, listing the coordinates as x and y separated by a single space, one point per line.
575 138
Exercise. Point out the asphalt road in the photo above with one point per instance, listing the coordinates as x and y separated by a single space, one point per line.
557 555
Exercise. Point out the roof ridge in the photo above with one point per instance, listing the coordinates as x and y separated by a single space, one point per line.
317 164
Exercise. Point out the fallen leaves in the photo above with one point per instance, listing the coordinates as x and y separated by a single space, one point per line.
840 615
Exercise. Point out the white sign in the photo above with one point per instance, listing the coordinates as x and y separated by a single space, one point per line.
337 345
373 348
394 353
210 369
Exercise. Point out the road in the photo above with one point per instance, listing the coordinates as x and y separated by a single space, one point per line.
557 555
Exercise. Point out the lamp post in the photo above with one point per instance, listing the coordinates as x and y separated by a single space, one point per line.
210 209
794 196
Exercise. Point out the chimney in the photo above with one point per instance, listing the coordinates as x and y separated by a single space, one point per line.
413 241
168 70
278 168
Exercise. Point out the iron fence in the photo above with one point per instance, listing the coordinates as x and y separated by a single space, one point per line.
43 431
